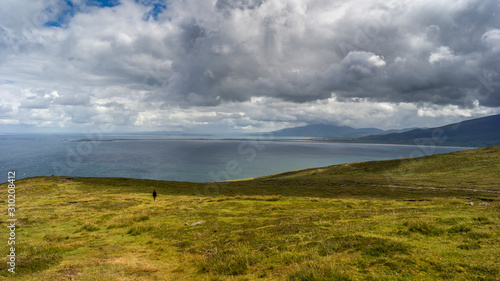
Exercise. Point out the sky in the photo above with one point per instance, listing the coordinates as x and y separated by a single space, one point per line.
237 66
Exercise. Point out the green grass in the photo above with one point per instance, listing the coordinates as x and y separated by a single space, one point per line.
388 220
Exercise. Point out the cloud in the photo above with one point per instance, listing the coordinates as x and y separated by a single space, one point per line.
132 61
442 54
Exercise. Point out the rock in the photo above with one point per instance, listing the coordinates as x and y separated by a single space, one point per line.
484 203
471 203
196 223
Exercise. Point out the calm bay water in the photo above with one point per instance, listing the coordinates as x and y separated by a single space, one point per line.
148 157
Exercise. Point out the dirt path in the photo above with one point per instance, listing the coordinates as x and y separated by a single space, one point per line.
439 188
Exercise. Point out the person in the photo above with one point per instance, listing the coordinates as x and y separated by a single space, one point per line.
154 195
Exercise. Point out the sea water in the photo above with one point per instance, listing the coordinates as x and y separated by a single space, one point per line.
178 158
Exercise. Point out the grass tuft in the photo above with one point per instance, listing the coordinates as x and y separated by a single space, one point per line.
461 228
89 226
54 237
34 258
469 246
139 229
312 271
423 227
227 262
372 246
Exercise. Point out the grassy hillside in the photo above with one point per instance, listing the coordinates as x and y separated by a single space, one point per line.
390 220
477 169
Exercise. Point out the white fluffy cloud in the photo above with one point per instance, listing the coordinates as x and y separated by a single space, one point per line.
442 54
247 64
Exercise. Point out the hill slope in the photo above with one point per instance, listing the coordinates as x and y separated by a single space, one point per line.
478 132
406 219
476 169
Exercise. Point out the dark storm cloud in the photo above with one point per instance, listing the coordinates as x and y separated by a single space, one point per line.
229 5
299 51
180 55
409 52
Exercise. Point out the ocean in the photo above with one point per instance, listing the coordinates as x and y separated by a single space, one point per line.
177 158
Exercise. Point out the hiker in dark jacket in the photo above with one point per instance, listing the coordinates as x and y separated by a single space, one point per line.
154 195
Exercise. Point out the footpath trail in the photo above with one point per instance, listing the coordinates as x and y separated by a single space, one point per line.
438 188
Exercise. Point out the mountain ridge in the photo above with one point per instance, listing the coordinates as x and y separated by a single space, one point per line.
326 131
478 132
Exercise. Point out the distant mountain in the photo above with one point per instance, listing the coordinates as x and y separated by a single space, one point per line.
156 133
326 131
403 130
478 132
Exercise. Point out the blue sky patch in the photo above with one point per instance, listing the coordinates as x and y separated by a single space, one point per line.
158 6
60 13
103 3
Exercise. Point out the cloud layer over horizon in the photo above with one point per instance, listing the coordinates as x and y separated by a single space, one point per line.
246 65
